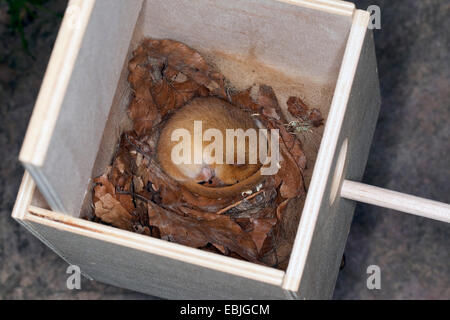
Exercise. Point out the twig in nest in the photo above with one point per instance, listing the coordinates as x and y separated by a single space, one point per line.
134 194
239 202
138 149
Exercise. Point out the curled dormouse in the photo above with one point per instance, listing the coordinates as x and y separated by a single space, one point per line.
199 118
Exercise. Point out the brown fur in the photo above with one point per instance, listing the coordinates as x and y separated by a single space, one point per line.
214 114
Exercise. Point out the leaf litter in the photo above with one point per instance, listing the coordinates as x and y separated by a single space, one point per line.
135 194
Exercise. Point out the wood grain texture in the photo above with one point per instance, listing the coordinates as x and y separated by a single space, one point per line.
117 121
68 121
56 81
331 6
324 228
396 200
25 197
149 273
157 246
291 37
142 263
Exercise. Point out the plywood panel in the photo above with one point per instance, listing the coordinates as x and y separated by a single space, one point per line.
139 270
46 225
357 120
62 144
287 35
25 197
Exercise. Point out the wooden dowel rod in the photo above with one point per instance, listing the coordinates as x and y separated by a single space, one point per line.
395 200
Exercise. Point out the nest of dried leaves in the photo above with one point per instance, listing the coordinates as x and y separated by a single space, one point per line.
136 195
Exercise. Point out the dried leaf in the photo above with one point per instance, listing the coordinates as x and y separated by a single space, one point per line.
261 230
204 229
111 211
170 95
300 110
269 103
290 174
243 99
189 62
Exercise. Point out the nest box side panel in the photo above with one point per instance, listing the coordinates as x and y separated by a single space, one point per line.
69 142
292 37
148 273
354 119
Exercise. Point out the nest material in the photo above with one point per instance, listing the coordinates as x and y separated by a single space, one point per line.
136 195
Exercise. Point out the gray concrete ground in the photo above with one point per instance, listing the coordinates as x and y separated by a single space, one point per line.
410 153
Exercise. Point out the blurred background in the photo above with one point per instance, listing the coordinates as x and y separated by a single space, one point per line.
410 153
